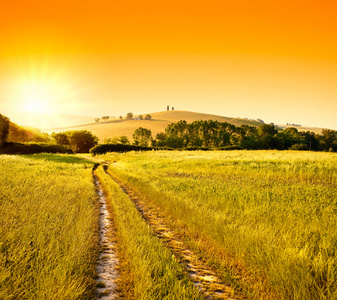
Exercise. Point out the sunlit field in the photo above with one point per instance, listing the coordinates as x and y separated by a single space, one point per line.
265 220
48 227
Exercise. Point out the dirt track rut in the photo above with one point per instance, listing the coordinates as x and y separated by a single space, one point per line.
107 275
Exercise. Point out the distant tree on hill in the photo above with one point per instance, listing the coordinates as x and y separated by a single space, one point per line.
129 116
140 117
148 117
120 117
142 136
113 140
97 120
124 140
105 118
4 129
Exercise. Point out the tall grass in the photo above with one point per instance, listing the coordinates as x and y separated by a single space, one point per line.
149 271
273 213
48 227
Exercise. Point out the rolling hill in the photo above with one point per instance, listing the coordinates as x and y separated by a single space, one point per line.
157 124
115 127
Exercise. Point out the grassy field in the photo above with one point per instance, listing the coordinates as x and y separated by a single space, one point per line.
265 220
48 227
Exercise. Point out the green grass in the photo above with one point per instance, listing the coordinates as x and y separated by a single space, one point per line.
265 219
48 227
148 269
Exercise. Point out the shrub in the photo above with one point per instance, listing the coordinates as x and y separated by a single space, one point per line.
32 148
195 148
231 148
104 148
298 147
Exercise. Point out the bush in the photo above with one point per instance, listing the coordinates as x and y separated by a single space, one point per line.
195 148
32 148
104 148
299 147
231 148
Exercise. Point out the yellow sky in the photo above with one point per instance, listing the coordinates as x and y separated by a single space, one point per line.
274 60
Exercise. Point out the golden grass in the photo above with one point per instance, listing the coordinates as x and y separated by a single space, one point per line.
48 227
271 213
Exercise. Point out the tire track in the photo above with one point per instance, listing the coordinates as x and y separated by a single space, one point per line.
107 275
202 276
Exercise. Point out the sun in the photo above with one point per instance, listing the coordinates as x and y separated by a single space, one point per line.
35 96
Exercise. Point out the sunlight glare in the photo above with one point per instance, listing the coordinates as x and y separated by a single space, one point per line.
35 97
36 106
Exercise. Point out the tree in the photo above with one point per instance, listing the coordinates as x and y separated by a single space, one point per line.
329 140
267 129
82 141
289 137
142 136
4 129
124 140
97 120
61 138
140 117
19 134
129 116
148 117
105 118
161 137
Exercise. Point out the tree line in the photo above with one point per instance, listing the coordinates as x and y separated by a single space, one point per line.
129 116
222 135
182 135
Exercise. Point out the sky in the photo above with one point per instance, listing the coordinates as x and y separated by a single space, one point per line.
272 60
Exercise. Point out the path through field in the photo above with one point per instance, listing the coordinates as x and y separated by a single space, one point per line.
107 260
202 276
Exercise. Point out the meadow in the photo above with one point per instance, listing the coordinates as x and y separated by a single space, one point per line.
48 227
265 220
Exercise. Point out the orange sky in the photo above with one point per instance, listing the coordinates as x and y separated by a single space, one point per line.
274 60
